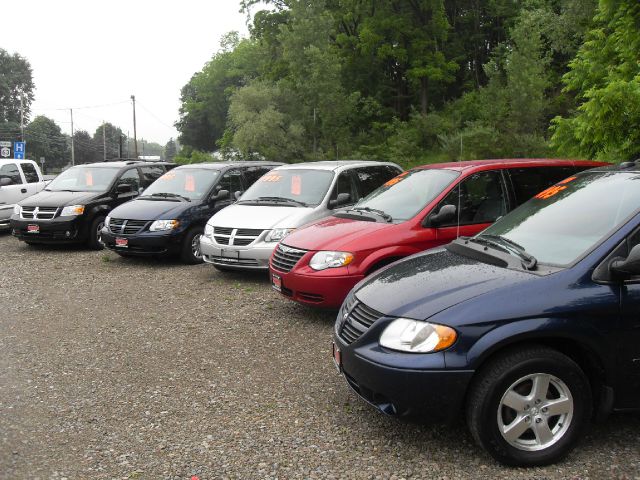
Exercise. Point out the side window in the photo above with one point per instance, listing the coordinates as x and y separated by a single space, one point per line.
150 174
10 171
232 182
528 182
481 198
252 174
344 184
132 178
30 173
370 178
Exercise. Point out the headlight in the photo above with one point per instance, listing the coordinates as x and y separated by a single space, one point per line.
415 336
324 260
107 221
72 211
161 225
208 230
278 234
17 209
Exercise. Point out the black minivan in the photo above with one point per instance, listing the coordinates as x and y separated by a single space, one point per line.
169 217
527 330
73 207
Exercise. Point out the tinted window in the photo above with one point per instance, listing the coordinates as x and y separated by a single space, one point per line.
232 182
30 173
527 182
150 174
252 174
84 179
370 178
131 177
10 171
561 223
481 199
192 183
345 184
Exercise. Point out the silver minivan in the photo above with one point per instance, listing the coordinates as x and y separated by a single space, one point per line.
243 235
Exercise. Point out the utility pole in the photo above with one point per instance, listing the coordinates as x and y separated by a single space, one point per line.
73 152
21 117
142 147
135 136
104 142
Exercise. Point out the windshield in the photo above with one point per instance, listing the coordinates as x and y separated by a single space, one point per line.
84 179
566 220
298 185
404 196
192 183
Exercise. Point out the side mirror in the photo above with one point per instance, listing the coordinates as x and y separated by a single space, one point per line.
124 188
219 195
4 181
628 267
237 194
343 199
446 214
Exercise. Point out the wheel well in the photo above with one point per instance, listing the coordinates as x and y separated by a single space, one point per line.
382 263
586 359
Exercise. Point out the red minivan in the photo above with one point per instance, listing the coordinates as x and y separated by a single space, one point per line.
422 208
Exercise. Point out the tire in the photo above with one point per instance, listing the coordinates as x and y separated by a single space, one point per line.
502 398
190 252
94 242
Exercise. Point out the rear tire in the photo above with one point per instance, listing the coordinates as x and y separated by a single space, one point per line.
529 407
191 252
95 237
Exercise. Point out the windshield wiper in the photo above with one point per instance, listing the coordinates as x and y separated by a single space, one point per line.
380 213
530 260
168 195
278 199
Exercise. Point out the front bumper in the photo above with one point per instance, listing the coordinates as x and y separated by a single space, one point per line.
5 216
252 257
56 231
431 392
319 289
145 243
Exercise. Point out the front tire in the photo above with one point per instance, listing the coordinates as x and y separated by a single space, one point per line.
191 252
528 407
95 235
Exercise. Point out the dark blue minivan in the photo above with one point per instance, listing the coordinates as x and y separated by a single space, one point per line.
528 330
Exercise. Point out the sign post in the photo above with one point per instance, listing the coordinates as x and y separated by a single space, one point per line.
5 149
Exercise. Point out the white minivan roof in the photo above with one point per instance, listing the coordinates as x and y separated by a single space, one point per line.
332 165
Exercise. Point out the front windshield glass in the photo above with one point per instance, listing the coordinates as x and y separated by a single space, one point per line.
192 183
84 179
404 196
297 185
565 221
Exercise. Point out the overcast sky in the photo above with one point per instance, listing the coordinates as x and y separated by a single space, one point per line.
87 53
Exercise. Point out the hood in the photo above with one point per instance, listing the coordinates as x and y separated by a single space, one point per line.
60 199
151 209
261 217
422 285
335 233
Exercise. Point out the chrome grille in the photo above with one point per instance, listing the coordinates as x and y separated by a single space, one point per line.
285 258
359 319
239 237
122 226
38 213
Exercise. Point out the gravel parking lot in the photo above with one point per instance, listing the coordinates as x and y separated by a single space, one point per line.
117 368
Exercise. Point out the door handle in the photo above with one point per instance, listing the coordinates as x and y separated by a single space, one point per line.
23 190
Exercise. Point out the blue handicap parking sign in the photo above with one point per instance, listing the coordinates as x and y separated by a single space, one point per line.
18 150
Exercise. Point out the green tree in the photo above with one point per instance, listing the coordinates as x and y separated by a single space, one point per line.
170 150
45 139
110 140
85 149
16 83
605 78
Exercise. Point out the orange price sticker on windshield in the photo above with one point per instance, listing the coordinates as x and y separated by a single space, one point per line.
168 176
296 185
189 183
88 179
270 178
554 190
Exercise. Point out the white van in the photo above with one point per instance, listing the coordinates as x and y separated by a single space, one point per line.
19 179
243 235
